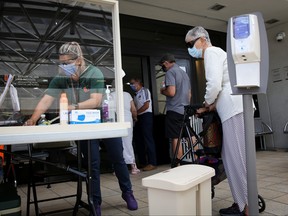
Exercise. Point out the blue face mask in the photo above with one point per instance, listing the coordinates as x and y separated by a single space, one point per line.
164 68
69 69
194 52
133 87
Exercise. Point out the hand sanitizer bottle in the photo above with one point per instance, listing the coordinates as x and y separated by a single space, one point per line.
107 114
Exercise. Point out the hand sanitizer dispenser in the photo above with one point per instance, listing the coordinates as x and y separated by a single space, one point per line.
247 54
245 48
108 107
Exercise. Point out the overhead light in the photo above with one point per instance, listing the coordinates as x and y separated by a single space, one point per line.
217 7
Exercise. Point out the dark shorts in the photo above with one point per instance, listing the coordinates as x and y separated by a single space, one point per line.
173 124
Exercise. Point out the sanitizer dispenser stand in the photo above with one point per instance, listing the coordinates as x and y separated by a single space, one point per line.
248 65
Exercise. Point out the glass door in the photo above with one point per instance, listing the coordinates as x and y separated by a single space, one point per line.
160 77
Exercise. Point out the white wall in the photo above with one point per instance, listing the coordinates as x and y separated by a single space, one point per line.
274 105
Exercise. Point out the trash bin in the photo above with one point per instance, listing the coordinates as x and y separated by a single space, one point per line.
183 190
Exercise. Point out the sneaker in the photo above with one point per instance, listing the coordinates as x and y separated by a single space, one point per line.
232 210
234 214
97 210
149 167
130 200
134 169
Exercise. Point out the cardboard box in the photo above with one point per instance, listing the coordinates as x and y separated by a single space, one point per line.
85 116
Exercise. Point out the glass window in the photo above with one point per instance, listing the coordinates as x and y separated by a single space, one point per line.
32 37
30 43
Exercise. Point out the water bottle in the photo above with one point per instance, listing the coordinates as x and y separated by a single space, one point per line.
163 84
63 109
43 121
1 171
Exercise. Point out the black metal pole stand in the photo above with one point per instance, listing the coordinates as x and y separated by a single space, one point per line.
89 181
190 147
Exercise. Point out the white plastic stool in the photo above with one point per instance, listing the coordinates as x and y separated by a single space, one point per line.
183 190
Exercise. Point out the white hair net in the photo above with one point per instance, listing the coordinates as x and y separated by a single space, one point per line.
195 33
74 50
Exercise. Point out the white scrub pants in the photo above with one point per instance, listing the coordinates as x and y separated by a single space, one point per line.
128 151
234 158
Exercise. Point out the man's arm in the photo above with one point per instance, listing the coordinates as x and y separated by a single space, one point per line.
144 107
41 108
133 110
93 102
168 91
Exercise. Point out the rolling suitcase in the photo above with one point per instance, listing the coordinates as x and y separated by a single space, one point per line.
10 201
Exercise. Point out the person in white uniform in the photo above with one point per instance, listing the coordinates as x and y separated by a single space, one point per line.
130 115
230 109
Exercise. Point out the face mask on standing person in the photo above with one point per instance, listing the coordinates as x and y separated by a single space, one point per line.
164 68
69 69
133 87
194 52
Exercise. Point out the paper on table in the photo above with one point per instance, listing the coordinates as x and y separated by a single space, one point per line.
3 95
14 98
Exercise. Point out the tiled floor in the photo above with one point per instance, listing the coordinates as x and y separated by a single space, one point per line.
272 174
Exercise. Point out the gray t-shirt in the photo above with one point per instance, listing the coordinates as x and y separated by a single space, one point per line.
178 78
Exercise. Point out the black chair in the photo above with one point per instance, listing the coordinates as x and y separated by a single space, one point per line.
55 171
285 129
261 130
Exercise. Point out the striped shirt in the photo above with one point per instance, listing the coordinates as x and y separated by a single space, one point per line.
142 96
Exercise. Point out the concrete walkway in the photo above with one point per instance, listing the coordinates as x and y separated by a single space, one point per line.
272 175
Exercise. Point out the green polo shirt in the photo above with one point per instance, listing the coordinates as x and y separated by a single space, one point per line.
90 81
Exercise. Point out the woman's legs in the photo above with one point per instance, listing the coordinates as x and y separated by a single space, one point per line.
234 158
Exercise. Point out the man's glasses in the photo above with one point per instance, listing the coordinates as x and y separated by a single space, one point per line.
190 44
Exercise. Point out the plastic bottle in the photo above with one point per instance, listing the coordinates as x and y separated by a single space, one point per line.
43 121
63 112
163 84
112 107
107 113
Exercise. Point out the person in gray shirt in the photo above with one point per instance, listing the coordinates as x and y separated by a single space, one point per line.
177 90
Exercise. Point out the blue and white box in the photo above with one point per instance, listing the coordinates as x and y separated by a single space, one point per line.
92 116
